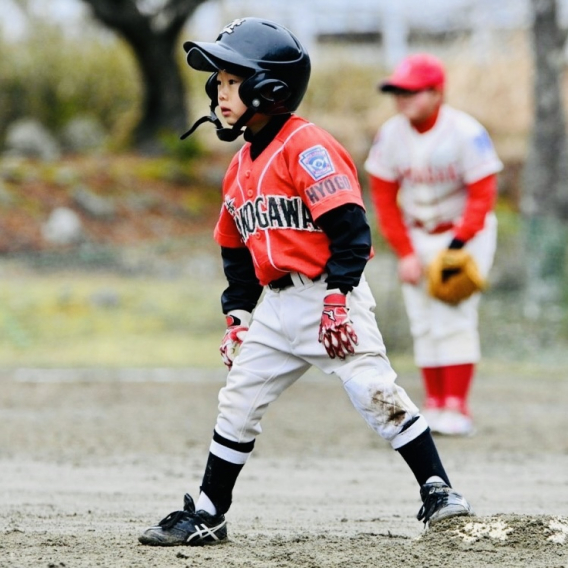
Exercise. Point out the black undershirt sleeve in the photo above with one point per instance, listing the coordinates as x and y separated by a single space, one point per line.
350 235
244 289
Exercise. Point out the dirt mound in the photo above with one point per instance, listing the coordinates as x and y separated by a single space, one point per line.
516 531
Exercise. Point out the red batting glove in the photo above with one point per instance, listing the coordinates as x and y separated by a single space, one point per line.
237 327
336 330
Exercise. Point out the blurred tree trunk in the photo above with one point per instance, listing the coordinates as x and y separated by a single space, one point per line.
545 192
153 37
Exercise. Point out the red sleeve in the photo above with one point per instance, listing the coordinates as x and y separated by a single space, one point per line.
226 233
389 216
480 201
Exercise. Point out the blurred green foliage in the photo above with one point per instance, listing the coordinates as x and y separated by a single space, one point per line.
346 93
104 320
54 78
185 150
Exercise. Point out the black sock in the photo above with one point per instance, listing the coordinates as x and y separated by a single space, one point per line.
221 475
422 457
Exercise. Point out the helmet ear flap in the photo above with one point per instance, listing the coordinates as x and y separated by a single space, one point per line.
273 90
211 87
265 94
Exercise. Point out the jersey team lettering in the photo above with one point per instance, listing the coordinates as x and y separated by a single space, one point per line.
271 212
327 187
317 162
430 174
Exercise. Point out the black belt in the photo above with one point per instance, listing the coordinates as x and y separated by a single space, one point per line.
286 282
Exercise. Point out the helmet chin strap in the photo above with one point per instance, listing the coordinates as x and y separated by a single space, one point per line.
224 134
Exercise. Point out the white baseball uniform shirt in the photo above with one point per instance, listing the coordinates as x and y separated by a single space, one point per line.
433 170
434 167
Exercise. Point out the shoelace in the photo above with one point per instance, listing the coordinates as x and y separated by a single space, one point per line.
173 519
434 500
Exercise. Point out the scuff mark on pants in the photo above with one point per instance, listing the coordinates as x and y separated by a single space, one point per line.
392 409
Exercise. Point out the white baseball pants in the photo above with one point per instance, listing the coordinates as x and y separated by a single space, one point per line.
282 344
444 334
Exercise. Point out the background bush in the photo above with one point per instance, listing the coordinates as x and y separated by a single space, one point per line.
54 78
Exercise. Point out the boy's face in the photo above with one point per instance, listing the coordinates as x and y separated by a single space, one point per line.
230 104
418 106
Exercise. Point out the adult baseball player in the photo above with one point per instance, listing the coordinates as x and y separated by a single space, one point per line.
293 225
433 182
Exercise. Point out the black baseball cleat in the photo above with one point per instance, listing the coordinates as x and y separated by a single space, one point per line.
441 502
188 527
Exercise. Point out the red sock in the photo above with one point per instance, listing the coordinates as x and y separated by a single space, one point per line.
457 382
433 380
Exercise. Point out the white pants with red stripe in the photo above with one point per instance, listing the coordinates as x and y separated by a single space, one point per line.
282 344
444 334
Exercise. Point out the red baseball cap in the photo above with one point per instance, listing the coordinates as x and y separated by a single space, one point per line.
414 73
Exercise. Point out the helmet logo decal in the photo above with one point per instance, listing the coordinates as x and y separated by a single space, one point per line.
230 28
317 162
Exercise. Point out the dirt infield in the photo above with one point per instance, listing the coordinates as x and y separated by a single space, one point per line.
89 458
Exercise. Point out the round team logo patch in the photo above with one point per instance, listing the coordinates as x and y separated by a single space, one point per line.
317 162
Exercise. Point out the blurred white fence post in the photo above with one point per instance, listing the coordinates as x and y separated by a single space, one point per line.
395 33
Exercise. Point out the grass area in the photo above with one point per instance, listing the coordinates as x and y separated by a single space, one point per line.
68 320
82 319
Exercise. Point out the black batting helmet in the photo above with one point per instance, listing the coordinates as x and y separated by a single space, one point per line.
275 66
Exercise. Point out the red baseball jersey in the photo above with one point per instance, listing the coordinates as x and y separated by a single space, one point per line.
271 204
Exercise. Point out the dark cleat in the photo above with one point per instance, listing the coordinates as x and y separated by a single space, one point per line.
188 527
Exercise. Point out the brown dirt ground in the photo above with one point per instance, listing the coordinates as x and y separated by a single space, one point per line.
88 463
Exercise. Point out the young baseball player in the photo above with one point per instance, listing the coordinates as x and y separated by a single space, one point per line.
293 226
433 184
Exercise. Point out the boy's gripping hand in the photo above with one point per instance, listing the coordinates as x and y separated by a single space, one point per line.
336 328
237 326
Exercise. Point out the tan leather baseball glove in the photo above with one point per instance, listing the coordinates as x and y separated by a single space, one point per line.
454 276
